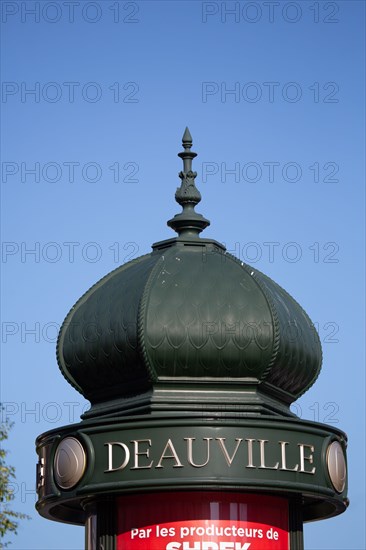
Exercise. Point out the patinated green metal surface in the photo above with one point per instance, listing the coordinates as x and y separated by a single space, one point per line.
286 457
187 313
190 359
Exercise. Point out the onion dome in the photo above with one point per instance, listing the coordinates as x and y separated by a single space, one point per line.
157 331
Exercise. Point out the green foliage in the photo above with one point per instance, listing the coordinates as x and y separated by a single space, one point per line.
8 518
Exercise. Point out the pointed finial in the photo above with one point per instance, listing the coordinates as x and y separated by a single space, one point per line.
188 223
187 139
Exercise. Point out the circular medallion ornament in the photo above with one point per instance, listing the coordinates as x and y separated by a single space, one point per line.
69 463
336 466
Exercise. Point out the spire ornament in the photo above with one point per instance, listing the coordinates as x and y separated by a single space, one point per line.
188 224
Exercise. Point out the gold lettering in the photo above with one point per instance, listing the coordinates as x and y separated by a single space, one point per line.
283 458
250 453
310 458
262 455
229 459
138 453
173 455
190 453
110 456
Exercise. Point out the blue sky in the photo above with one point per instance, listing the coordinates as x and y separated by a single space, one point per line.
273 94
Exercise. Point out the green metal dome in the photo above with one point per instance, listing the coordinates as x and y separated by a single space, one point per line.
188 316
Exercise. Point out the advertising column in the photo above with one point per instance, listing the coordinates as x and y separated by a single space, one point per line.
202 521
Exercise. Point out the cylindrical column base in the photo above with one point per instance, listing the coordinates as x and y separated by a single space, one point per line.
195 521
100 527
296 523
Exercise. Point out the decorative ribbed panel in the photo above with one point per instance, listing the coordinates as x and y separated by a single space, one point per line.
188 312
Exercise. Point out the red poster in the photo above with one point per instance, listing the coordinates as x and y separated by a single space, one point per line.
219 521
